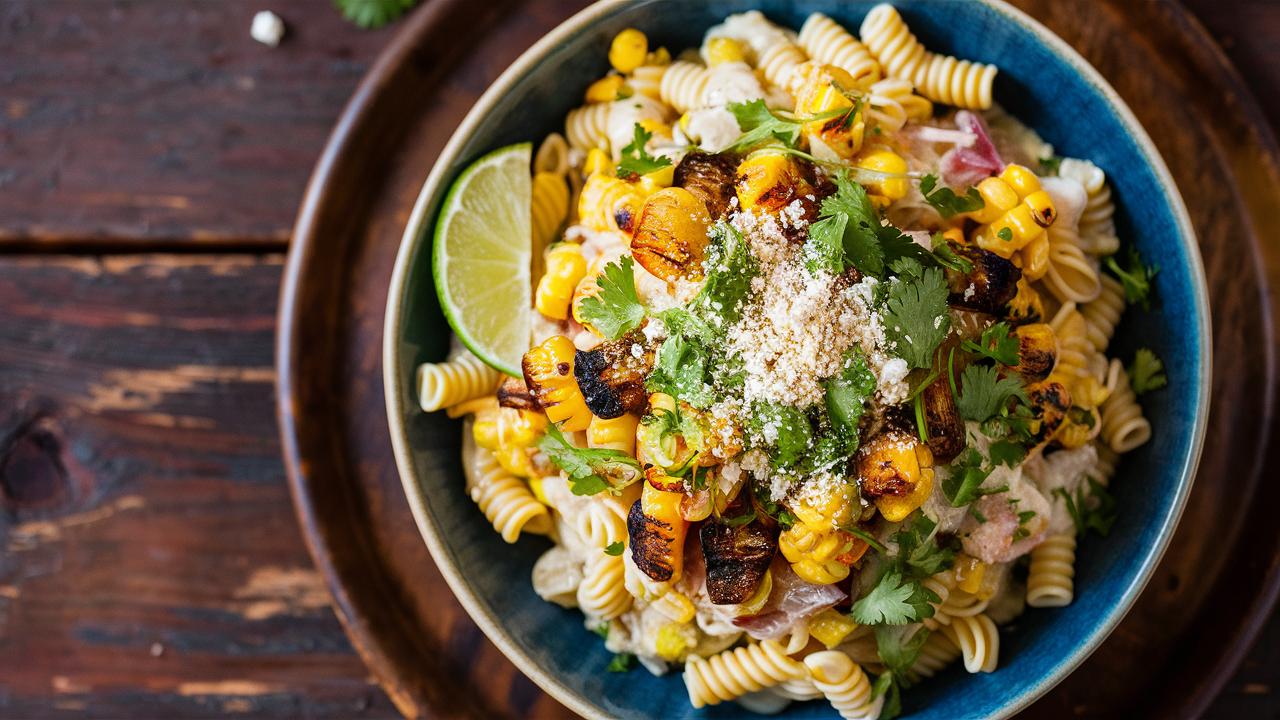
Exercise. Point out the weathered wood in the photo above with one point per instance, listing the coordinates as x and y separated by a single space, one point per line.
143 122
151 566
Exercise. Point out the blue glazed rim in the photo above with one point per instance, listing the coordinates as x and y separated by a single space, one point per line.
1181 285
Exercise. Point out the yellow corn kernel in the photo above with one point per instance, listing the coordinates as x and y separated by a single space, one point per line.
628 50
769 181
1021 227
812 555
826 510
671 643
724 50
1023 181
831 627
896 509
485 433
882 159
998 199
598 161
535 487
833 138
969 572
515 460
548 371
589 287
565 269
675 606
1041 206
616 434
650 183
608 204
606 89
657 128
658 58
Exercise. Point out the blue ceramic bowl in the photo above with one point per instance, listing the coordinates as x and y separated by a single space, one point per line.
1044 83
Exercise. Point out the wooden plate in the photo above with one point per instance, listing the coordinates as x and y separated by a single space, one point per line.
1171 655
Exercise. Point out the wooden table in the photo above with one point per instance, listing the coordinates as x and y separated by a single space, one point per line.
152 159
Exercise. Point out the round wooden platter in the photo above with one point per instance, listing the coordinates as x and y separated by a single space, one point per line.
1174 651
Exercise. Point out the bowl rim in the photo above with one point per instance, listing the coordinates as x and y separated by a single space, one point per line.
396 399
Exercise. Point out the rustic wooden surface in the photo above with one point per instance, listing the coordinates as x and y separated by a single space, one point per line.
151 565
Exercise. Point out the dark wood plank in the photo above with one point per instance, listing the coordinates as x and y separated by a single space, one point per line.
151 564
145 122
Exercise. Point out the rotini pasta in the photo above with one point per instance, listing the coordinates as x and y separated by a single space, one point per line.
1071 275
824 40
647 80
507 502
550 207
683 86
978 640
778 63
892 102
1123 426
449 383
1103 314
599 526
940 78
736 672
588 127
936 654
845 684
602 595
1097 229
1053 562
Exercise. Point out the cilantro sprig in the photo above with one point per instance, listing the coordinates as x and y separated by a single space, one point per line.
1147 372
1094 510
617 309
898 597
946 201
916 316
759 124
1136 278
983 393
636 160
968 473
848 392
590 471
997 343
622 662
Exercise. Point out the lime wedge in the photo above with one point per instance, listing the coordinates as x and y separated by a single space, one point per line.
483 243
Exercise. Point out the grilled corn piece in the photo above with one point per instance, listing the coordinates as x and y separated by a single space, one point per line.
657 533
611 376
548 372
671 235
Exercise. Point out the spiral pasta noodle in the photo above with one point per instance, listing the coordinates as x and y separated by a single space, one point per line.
978 640
647 80
550 207
892 102
1107 461
824 40
1103 314
449 383
507 502
1097 226
734 673
844 684
1076 358
940 78
552 155
1123 425
1071 275
943 591
602 594
936 654
1050 582
684 86
798 690
779 61
588 126
599 526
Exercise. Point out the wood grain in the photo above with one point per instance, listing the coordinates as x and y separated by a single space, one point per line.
151 567
143 122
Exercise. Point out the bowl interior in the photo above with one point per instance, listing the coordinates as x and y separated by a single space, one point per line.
1041 82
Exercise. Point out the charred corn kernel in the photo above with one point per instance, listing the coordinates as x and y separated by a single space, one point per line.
535 487
769 181
812 555
608 204
598 161
822 90
565 269
515 460
1035 258
671 643
896 509
724 50
548 371
508 427
628 50
1042 210
675 606
1021 180
606 89
1072 434
997 197
831 627
588 287
826 510
659 58
969 572
665 531
882 159
616 434
955 235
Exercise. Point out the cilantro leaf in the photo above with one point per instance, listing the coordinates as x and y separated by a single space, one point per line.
1005 234
983 392
893 601
789 425
622 662
1147 372
730 267
636 160
1023 531
679 371
899 646
945 200
1005 452
888 685
590 471
916 316
373 14
617 309
614 549
761 501
848 392
850 216
1051 164
918 553
964 487
760 124
825 249
1136 279
1095 510
946 255
1006 350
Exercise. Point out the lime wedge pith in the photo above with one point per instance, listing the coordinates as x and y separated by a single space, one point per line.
483 243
